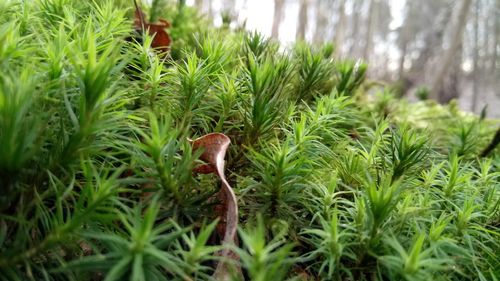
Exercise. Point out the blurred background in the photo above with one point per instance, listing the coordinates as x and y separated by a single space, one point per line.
444 49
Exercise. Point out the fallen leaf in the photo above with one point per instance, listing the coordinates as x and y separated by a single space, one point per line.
161 39
215 146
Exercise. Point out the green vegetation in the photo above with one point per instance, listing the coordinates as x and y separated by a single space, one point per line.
333 182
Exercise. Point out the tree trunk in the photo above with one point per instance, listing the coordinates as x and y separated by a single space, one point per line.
402 58
277 18
199 5
210 10
432 41
444 64
496 43
369 31
353 49
483 59
475 58
322 12
404 38
229 6
228 12
302 21
451 88
339 30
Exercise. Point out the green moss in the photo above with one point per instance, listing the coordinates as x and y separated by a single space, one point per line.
96 172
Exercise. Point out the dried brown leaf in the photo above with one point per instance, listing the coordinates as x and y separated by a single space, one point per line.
214 150
161 39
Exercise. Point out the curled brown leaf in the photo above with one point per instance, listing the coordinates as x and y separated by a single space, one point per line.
214 150
161 39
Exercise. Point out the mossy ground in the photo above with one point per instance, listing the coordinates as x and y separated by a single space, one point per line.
336 179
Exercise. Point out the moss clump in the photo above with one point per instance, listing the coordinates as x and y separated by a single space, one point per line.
333 183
